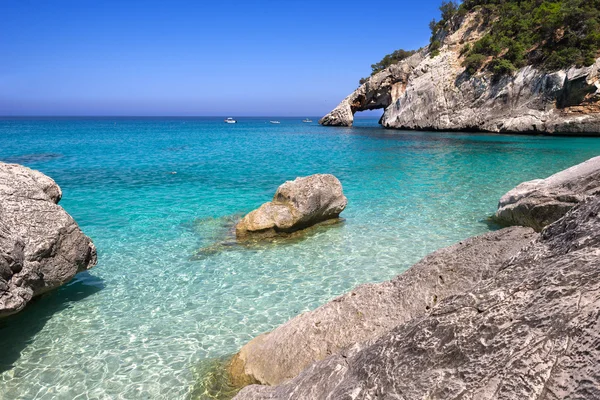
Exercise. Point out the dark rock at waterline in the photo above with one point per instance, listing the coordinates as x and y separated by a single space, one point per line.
371 310
541 202
528 331
41 246
296 205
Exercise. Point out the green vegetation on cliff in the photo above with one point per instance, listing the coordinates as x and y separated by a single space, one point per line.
548 34
389 59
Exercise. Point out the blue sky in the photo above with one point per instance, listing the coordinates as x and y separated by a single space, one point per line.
196 57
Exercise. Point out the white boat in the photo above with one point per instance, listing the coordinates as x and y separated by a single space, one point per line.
307 120
230 120
275 122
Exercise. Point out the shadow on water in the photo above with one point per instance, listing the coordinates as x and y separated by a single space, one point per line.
493 223
224 238
31 158
212 381
17 331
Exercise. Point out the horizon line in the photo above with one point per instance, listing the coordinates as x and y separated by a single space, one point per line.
169 116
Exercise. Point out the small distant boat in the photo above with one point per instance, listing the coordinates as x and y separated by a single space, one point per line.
275 122
230 120
307 120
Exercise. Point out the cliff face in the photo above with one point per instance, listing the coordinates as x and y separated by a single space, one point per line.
436 93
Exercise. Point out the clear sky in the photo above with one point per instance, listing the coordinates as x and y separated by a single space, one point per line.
176 57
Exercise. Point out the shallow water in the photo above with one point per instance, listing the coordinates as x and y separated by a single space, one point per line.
157 312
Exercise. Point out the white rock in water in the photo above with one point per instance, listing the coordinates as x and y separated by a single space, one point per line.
296 205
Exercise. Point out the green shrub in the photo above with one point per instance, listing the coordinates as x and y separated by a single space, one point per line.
486 45
391 59
474 62
466 48
448 9
502 66
551 34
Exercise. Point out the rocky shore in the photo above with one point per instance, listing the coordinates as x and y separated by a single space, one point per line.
540 202
41 246
434 92
509 314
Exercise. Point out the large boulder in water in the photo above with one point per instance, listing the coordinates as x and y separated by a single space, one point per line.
41 246
528 331
371 310
541 202
296 205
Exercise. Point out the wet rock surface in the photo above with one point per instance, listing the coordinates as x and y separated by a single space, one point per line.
41 246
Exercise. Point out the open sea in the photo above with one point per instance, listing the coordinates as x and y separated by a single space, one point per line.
168 301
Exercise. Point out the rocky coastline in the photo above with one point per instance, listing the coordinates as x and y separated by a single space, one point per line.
509 314
431 91
41 246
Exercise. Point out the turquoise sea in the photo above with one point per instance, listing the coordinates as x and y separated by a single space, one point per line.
165 303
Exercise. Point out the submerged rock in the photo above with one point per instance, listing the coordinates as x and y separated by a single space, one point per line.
296 205
437 93
373 309
41 246
541 202
527 331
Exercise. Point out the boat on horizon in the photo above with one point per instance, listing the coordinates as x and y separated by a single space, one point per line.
307 120
230 120
275 122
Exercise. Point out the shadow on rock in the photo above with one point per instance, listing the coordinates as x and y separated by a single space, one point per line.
18 330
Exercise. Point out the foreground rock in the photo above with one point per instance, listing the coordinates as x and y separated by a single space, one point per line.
296 205
529 331
41 246
541 202
435 93
373 309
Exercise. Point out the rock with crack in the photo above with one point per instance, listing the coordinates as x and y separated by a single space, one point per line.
371 310
297 205
41 246
541 202
528 331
